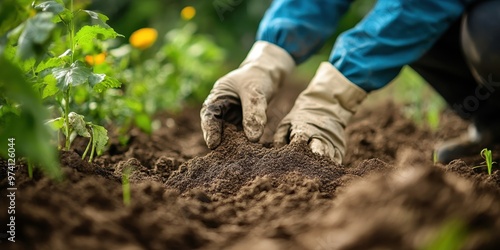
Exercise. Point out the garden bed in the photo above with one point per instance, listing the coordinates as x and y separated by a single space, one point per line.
388 195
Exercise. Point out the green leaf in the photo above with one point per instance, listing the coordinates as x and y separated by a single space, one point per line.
27 127
86 35
50 6
56 124
77 123
35 37
74 75
106 83
99 138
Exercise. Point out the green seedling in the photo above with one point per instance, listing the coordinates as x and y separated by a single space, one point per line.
74 73
126 185
488 160
98 135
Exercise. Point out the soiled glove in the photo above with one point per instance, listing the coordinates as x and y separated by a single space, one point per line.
321 113
241 96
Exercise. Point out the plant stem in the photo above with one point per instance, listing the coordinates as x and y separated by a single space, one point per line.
126 185
87 149
72 32
91 157
71 29
30 169
66 119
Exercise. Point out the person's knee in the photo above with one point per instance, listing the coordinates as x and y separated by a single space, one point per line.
481 38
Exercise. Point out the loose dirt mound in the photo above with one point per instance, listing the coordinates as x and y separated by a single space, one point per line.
246 196
225 170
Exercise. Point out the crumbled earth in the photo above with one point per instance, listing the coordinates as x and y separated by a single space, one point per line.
387 195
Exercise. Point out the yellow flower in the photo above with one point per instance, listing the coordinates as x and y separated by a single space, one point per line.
188 12
143 38
95 59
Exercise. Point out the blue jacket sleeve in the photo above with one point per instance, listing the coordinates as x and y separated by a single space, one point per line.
301 27
395 33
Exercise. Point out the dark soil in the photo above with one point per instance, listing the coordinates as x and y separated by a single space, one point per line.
388 194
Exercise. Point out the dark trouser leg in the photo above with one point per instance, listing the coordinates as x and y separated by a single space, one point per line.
480 37
464 67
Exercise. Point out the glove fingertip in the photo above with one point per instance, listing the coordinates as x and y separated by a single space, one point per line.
212 130
254 132
213 140
281 136
254 127
318 147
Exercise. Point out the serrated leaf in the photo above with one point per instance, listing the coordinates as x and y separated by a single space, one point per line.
56 124
106 83
86 35
78 124
51 63
50 88
35 36
99 138
74 75
50 6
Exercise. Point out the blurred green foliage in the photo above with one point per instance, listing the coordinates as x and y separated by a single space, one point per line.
22 118
452 235
235 32
181 71
231 24
420 102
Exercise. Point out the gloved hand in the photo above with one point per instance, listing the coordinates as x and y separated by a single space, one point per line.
321 113
241 96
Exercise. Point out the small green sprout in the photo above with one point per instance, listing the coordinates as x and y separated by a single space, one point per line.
435 157
126 185
31 166
488 160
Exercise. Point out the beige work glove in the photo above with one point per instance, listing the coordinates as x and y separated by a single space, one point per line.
321 113
241 96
